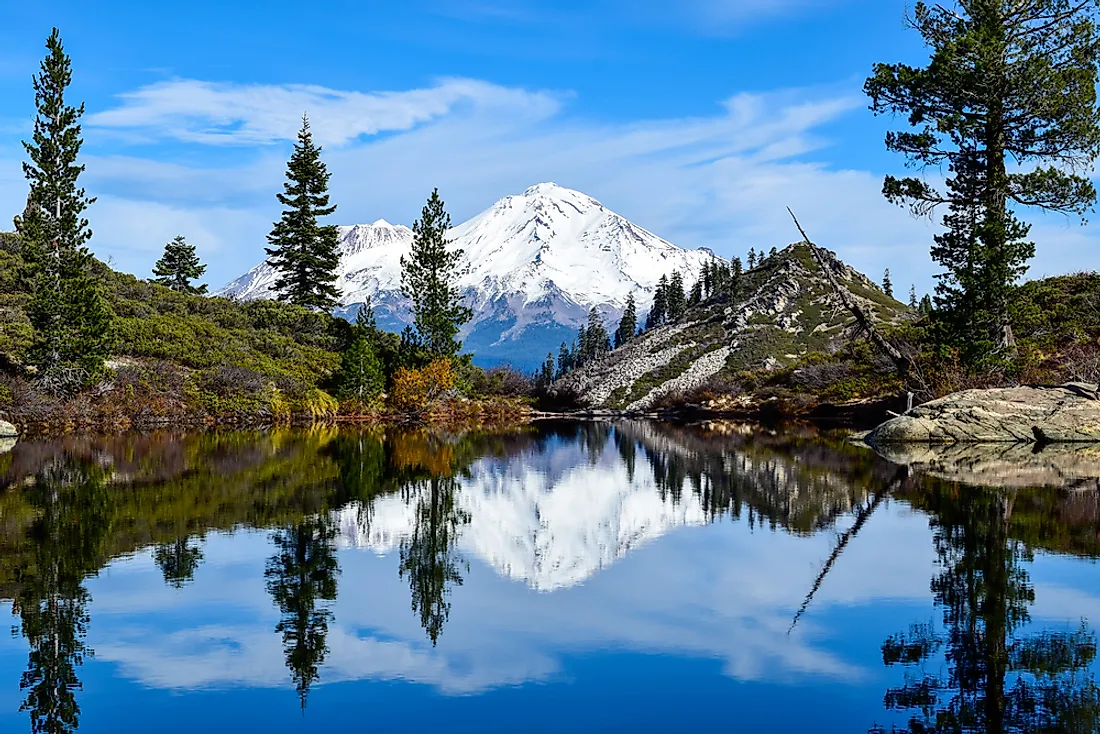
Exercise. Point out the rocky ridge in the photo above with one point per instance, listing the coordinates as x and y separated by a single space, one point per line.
783 310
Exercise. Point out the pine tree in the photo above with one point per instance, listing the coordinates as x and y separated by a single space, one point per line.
429 277
565 360
696 296
179 266
752 258
361 375
659 309
628 323
887 284
913 297
546 372
71 322
303 251
925 307
1006 80
594 339
773 252
676 298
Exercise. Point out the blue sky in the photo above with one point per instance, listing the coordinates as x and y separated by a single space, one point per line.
698 119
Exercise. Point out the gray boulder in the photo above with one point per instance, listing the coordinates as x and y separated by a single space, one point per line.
1056 414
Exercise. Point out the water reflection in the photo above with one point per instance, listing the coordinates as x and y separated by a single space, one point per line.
301 578
998 679
550 506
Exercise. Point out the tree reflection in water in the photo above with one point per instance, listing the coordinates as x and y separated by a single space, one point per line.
999 677
65 545
301 578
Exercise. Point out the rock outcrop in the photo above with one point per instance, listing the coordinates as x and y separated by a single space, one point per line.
1054 414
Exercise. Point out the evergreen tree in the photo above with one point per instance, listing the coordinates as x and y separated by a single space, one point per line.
361 375
773 252
628 323
913 297
887 284
71 322
565 360
580 347
594 339
303 251
429 277
925 307
696 296
410 351
659 310
546 372
736 271
1006 80
752 258
179 266
675 297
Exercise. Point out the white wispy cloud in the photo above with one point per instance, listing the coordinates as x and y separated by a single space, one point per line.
222 113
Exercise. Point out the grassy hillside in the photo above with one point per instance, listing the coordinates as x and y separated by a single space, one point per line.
176 355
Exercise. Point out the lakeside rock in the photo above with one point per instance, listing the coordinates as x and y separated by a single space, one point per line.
1041 414
8 436
1008 465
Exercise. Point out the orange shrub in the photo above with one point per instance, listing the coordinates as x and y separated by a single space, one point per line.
416 390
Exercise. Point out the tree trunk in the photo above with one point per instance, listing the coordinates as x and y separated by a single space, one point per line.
901 362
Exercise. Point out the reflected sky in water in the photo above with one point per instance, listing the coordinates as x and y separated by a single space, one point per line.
567 576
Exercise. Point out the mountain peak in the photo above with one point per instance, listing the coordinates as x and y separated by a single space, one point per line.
537 262
553 191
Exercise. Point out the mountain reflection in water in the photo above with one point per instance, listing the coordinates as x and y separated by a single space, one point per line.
215 565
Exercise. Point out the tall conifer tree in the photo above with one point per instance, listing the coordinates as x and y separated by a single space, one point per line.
887 284
429 277
1007 105
659 309
628 324
70 320
179 266
676 297
304 251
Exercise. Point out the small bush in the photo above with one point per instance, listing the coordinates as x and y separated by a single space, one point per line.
416 390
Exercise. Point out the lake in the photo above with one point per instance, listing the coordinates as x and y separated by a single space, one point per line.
563 576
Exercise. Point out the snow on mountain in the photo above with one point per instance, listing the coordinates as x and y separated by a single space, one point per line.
535 264
551 528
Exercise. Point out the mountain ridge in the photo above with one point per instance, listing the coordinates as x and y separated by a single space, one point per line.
535 263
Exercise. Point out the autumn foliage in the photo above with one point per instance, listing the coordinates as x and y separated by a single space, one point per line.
416 390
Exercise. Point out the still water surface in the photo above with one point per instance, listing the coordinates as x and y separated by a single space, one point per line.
563 577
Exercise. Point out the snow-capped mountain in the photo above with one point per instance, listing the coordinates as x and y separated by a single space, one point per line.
535 264
552 520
